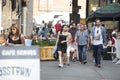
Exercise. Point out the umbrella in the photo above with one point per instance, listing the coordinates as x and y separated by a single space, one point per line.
106 13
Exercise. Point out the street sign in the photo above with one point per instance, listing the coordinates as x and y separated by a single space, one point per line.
19 63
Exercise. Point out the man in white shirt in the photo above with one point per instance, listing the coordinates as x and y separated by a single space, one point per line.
98 39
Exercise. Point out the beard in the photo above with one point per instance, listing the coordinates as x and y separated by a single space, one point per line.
97 24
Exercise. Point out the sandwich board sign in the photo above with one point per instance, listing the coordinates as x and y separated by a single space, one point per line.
19 63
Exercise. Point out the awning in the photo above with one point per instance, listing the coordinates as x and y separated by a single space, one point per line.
110 12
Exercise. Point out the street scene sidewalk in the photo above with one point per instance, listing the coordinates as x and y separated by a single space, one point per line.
76 71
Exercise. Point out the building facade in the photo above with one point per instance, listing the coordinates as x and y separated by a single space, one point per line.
16 11
9 13
41 7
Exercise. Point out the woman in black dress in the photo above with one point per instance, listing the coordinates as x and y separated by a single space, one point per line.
62 39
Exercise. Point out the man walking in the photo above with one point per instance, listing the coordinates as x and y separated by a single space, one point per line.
82 38
73 31
98 39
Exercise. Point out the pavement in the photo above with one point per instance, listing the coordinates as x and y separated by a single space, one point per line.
76 71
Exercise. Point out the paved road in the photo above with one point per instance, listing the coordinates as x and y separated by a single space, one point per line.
77 71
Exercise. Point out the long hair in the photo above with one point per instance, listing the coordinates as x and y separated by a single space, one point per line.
61 30
17 30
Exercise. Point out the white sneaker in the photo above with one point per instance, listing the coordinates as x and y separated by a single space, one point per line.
60 65
115 60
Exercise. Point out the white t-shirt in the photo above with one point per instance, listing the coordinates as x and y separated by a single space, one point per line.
97 36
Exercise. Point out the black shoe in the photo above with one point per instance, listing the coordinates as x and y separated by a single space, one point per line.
84 62
59 66
96 65
64 63
68 64
99 66
73 60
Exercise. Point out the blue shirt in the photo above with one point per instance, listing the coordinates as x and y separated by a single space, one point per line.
82 37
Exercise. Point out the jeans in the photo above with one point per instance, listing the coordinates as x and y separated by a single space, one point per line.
97 53
82 52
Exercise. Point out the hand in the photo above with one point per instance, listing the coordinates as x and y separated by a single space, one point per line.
9 44
63 42
105 44
75 43
91 42
88 47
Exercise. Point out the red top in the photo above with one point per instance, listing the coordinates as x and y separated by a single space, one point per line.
113 41
57 27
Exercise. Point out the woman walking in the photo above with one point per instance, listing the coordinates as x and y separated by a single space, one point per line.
62 39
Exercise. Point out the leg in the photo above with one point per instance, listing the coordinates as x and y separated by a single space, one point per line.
74 56
99 52
60 59
68 60
80 53
76 51
68 55
64 58
84 53
95 54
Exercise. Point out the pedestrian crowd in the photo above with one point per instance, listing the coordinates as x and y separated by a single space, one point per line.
72 41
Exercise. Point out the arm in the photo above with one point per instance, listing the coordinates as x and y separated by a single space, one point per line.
22 40
91 39
8 41
104 37
69 37
76 38
88 42
91 35
88 39
57 38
